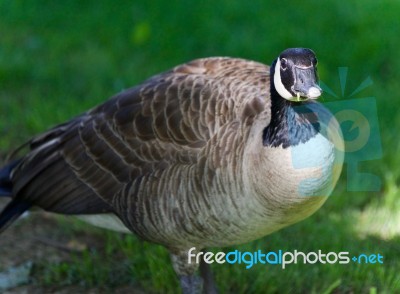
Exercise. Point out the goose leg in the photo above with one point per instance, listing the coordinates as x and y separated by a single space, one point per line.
186 271
191 284
208 279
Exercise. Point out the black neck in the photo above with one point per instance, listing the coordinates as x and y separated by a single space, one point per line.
291 123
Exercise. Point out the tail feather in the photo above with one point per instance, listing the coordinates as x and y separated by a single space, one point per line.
16 207
5 191
11 212
5 179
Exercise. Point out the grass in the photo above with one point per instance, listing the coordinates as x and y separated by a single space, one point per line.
57 59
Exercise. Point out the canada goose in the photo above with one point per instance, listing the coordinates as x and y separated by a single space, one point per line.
215 152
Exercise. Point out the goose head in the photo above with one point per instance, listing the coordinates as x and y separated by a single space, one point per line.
295 75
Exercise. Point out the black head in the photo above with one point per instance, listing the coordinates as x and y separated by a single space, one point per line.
295 75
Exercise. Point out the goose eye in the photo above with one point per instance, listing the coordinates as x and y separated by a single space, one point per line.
283 63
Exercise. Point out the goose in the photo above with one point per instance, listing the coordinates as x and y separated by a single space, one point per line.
218 151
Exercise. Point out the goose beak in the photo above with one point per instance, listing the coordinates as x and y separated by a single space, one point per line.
306 83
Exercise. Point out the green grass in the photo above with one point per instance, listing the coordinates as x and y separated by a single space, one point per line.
57 59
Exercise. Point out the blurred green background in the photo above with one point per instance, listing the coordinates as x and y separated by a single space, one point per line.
59 58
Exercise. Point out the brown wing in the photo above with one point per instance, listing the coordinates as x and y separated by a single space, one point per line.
78 167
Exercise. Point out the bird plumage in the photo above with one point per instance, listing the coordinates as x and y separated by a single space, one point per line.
183 160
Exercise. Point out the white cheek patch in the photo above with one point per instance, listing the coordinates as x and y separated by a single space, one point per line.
280 88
